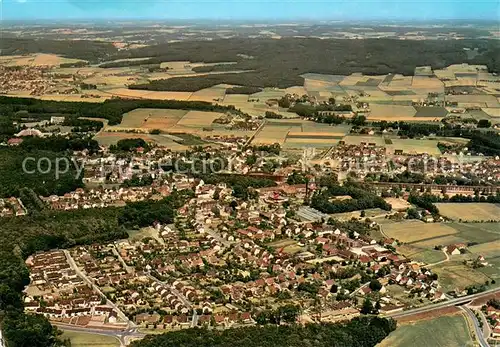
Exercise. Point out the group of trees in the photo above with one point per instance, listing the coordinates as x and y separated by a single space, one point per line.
361 199
45 172
83 125
283 314
145 213
129 145
60 144
425 201
366 331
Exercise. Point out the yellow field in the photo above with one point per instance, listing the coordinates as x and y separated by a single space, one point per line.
270 134
489 249
198 118
235 98
209 94
391 112
36 60
411 146
398 203
413 231
427 83
492 112
470 211
146 119
356 140
111 138
145 94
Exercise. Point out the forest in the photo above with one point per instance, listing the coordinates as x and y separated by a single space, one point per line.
279 63
93 51
19 169
26 109
366 331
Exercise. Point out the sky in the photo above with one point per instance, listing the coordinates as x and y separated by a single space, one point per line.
265 10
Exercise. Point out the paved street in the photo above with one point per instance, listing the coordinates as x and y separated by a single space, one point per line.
121 315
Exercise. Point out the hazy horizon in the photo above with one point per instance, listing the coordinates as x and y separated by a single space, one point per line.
252 10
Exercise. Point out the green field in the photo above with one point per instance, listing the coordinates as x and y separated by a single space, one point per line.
91 340
455 275
447 331
428 256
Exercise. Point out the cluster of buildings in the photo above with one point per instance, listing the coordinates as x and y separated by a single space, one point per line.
58 292
12 207
100 197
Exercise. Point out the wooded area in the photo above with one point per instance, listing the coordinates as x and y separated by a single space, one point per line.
279 63
365 331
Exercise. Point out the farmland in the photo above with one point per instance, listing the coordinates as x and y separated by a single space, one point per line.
413 231
445 331
167 120
470 211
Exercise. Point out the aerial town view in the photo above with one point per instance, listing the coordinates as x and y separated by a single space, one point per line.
233 174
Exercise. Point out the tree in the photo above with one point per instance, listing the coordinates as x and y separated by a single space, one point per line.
483 123
367 307
375 285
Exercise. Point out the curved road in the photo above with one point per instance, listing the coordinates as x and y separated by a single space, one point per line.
477 328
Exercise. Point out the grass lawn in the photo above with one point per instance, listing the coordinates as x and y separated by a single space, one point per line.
79 339
447 331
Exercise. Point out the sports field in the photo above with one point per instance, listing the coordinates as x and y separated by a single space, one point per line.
470 211
445 331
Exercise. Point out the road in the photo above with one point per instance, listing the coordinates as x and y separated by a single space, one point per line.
127 268
440 262
121 335
119 312
179 295
477 328
452 302
218 237
486 325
